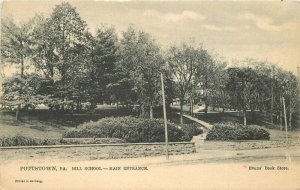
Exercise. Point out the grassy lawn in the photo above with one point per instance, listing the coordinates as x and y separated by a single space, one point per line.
219 117
45 124
214 117
175 118
42 123
280 135
30 128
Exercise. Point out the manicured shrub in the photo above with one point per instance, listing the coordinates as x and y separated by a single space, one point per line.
18 141
26 141
234 131
130 129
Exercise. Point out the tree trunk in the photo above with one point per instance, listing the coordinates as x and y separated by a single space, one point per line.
18 112
206 94
280 119
63 105
181 111
290 115
245 117
206 107
290 120
22 65
191 106
151 112
252 115
51 73
20 91
272 108
284 114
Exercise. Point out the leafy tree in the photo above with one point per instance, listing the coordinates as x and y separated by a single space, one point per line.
286 86
28 85
142 63
62 52
15 49
185 62
123 87
292 97
103 66
264 91
44 60
218 93
43 54
147 72
205 76
243 84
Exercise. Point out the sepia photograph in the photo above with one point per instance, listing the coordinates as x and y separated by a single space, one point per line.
132 94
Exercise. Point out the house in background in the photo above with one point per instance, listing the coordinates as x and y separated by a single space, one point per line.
197 100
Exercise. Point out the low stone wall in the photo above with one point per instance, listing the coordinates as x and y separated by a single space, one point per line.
245 145
92 141
94 151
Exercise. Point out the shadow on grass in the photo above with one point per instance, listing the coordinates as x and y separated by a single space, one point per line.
38 118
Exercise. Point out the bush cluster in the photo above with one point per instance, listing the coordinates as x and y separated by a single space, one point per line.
235 131
26 141
131 129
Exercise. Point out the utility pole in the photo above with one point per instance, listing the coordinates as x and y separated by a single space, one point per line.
280 113
285 121
244 103
272 94
165 115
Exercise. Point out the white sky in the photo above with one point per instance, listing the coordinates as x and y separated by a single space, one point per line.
261 30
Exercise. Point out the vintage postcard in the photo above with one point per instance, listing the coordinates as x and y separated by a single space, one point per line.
149 95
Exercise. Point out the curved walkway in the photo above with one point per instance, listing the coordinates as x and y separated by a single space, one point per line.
200 138
203 123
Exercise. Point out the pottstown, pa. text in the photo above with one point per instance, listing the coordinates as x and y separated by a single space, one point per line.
80 168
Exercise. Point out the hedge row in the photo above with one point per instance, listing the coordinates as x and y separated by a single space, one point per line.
234 131
26 141
133 130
